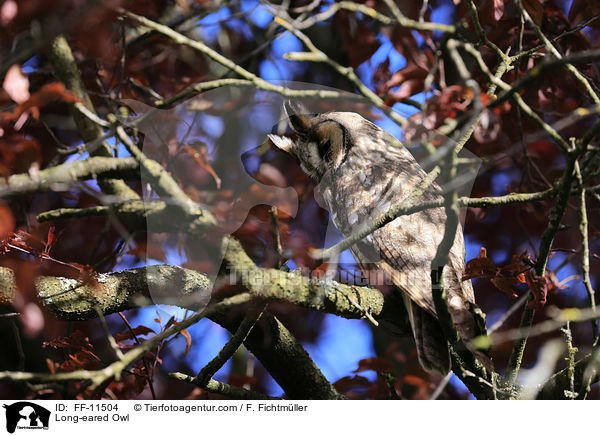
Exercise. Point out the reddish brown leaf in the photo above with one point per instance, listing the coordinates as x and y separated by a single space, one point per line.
409 79
7 222
46 94
357 38
241 380
539 290
405 43
415 381
200 155
25 241
320 271
188 341
451 102
51 240
481 266
133 333
381 75
77 340
347 383
505 284
140 377
518 266
80 360
535 9
51 366
378 364
19 153
379 390
82 356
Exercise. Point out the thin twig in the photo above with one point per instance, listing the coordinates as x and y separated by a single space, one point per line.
230 347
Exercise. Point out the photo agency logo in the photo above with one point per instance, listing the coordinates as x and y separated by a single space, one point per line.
26 416
220 147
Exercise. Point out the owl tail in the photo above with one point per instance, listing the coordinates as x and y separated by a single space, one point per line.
432 349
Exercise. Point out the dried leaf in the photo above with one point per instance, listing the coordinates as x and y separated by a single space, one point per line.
200 155
539 290
505 284
345 384
415 381
535 9
7 222
77 341
46 94
320 271
382 75
140 377
378 364
451 102
241 380
357 38
481 266
405 43
409 79
134 333
51 240
188 341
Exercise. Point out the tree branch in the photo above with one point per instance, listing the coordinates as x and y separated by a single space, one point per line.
62 59
61 177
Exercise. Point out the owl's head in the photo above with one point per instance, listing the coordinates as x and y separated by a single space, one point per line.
323 140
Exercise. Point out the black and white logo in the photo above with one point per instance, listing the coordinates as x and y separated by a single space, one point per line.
26 415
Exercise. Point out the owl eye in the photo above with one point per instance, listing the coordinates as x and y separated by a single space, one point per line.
324 148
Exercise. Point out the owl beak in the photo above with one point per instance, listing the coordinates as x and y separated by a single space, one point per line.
282 142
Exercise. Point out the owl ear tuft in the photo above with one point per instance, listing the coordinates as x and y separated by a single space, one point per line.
298 115
282 142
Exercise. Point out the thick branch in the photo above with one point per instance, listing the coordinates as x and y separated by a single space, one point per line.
74 300
71 299
62 176
62 60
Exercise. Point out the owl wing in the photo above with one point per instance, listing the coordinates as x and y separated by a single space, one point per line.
409 266
406 248
432 349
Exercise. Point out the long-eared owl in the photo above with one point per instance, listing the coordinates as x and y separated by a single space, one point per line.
362 171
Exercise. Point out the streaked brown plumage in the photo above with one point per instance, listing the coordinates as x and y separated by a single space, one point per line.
362 171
